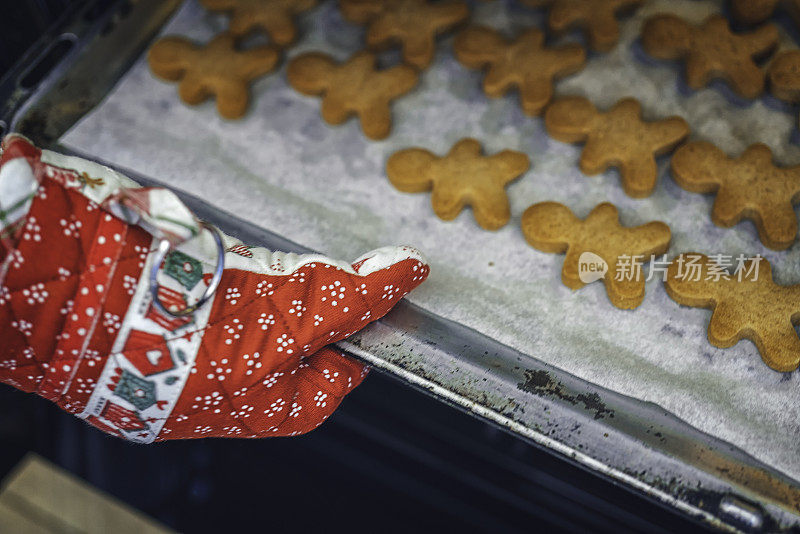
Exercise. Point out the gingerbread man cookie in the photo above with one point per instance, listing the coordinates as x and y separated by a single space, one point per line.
750 186
414 23
596 17
597 244
711 50
273 16
618 137
524 63
784 76
746 305
352 87
217 69
463 177
753 11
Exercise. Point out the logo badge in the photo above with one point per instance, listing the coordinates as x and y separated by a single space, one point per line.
591 267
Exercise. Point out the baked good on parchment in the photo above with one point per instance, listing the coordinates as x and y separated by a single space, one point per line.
413 23
524 63
748 187
711 50
597 245
618 137
216 69
598 18
746 305
355 86
275 17
463 177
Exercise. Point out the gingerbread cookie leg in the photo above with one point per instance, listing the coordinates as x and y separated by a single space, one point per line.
746 305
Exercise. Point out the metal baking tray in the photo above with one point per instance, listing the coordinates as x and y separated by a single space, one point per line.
637 444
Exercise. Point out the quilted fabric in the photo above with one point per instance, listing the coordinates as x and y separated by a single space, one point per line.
71 275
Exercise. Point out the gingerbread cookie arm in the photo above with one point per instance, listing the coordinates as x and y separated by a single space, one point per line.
663 135
512 164
761 40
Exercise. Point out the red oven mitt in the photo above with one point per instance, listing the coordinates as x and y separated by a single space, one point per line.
78 325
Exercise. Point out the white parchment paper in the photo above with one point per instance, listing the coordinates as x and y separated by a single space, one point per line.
285 169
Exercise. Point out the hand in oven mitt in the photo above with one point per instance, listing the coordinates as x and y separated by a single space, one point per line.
78 324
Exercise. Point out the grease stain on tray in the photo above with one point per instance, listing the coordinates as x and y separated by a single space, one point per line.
540 382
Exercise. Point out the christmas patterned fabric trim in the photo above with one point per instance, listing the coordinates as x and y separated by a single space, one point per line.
153 353
79 327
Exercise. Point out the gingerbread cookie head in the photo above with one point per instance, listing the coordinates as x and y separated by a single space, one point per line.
275 17
524 63
598 18
711 50
618 137
598 239
746 304
413 23
784 76
217 69
463 177
353 87
748 187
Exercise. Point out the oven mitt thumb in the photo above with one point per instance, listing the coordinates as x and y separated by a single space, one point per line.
79 325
